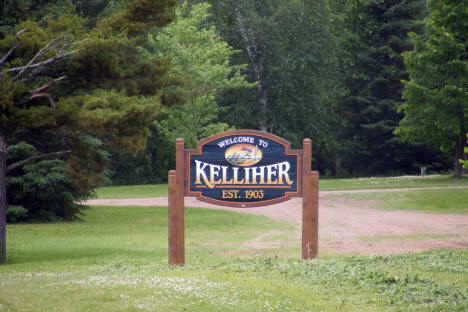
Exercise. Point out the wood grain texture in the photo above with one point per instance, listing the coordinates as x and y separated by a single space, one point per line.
172 218
306 199
313 251
180 162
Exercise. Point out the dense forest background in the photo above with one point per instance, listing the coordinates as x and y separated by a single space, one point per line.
330 70
96 92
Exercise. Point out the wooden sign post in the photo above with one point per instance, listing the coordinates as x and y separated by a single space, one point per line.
243 168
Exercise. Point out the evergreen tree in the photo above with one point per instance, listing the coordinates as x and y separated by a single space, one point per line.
436 107
376 37
69 90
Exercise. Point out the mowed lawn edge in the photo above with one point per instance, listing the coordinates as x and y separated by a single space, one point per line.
442 201
160 190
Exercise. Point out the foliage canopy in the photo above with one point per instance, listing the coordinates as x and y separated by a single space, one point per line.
436 107
71 89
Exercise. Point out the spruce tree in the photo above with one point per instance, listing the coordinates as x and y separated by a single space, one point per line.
377 36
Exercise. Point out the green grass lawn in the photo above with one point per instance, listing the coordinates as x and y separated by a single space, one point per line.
134 191
439 201
115 259
392 182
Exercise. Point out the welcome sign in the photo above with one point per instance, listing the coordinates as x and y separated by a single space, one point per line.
243 168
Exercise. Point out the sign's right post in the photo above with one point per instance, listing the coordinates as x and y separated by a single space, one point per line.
310 197
315 214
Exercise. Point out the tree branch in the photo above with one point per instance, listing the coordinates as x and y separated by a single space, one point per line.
75 43
254 55
41 52
50 83
36 73
38 156
14 46
9 53
36 93
40 64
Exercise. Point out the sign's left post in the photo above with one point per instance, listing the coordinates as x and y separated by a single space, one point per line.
172 217
176 208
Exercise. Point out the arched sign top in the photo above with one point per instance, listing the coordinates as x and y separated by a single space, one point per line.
244 132
243 168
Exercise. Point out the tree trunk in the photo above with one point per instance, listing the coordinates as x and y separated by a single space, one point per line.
3 202
337 165
465 155
254 57
459 154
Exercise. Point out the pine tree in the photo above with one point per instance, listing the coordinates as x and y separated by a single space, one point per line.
378 34
69 90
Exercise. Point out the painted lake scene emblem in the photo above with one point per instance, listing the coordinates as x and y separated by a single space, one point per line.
243 155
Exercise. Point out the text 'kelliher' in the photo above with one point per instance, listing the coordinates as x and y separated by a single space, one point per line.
212 175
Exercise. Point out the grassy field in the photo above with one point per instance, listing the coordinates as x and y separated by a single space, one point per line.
392 182
135 191
115 259
439 201
132 191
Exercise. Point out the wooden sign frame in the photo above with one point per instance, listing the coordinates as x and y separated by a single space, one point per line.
307 186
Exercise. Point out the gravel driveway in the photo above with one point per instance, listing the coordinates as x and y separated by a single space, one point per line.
350 227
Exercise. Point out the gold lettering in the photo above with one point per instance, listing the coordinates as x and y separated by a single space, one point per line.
236 174
224 176
271 173
247 175
214 172
227 194
200 171
212 175
283 169
256 174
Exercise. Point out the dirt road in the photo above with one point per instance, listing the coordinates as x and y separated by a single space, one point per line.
350 227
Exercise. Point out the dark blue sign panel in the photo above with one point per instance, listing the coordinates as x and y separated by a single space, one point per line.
243 168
